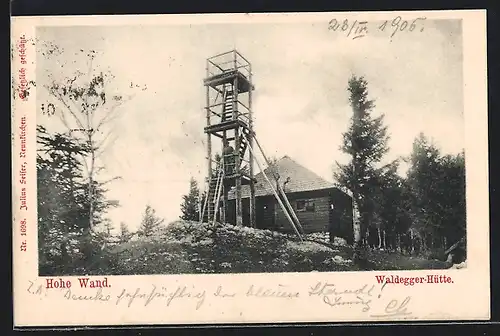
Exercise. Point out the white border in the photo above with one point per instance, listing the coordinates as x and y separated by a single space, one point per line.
468 298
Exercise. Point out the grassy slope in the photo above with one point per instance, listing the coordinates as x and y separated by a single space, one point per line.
188 247
395 261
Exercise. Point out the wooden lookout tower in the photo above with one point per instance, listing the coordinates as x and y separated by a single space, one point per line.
229 126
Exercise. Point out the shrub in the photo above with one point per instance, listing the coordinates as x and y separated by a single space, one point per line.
436 254
191 247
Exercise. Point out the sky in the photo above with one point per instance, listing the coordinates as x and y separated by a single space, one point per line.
300 104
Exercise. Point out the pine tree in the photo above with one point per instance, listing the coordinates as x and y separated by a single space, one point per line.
190 202
391 207
107 230
124 234
437 186
366 143
62 203
453 197
150 222
454 205
422 179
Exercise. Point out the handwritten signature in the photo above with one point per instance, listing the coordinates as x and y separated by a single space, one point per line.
334 296
33 289
340 301
395 308
362 296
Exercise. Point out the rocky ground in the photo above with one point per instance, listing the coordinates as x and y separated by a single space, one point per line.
191 247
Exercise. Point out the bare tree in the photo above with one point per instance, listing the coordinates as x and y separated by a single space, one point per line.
89 106
273 169
281 181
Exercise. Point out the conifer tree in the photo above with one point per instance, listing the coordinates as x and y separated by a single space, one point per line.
62 203
437 185
366 143
150 222
124 234
190 202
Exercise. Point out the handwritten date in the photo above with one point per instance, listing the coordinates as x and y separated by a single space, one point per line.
399 25
358 29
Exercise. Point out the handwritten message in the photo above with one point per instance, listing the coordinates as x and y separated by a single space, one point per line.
367 299
357 29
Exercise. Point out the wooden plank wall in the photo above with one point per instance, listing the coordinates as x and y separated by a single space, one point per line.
317 221
339 220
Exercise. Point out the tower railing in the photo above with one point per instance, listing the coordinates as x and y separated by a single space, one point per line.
227 62
242 113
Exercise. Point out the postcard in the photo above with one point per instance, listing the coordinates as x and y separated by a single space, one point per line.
250 168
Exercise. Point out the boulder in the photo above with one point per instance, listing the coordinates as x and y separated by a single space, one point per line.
459 266
337 241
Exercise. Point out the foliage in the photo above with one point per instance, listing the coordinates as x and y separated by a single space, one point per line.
190 202
191 247
87 104
421 213
437 186
150 222
188 247
366 143
72 200
63 203
124 235
62 200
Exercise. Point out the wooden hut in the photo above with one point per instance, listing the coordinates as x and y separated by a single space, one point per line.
318 204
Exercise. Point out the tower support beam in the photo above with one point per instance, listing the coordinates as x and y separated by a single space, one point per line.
239 210
253 222
209 137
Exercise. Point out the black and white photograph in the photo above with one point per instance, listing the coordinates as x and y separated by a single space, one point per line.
236 168
250 147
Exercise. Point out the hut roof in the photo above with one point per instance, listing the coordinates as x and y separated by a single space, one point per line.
299 178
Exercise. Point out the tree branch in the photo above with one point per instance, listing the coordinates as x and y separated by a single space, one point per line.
60 97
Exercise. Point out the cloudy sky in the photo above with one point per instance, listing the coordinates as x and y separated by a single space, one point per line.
300 103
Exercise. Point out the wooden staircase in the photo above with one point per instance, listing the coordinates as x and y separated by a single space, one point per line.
244 141
227 108
227 115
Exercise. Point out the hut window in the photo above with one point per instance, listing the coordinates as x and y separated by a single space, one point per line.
305 206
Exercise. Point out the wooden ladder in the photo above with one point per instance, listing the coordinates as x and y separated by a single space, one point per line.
227 114
212 199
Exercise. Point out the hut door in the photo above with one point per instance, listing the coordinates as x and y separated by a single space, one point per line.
265 213
270 214
333 223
